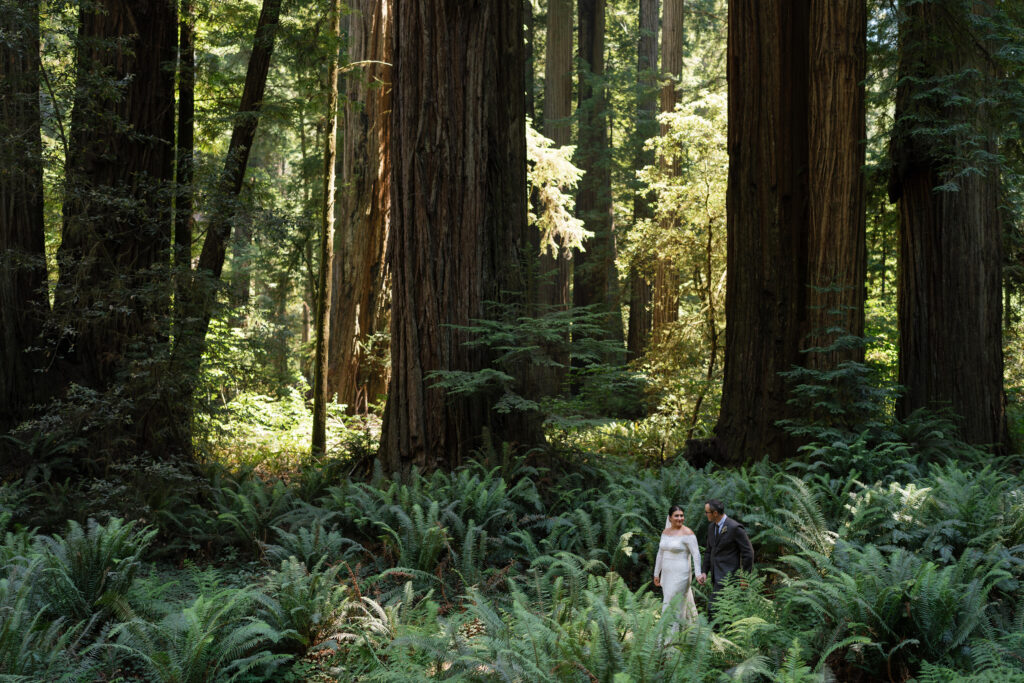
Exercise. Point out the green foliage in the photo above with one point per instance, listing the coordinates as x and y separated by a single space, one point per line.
89 571
215 638
305 603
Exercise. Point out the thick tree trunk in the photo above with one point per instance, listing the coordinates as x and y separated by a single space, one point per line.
950 244
665 294
323 311
23 295
458 219
117 221
767 210
361 279
640 321
836 249
595 281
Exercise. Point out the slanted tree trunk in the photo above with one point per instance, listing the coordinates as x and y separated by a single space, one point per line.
639 329
116 239
950 248
665 294
361 278
199 303
767 218
323 311
459 227
836 248
595 281
23 295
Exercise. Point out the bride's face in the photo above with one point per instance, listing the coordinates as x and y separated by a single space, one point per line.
677 518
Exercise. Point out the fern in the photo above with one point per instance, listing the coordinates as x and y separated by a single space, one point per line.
306 604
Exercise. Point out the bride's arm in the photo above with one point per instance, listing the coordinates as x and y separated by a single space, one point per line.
657 562
691 542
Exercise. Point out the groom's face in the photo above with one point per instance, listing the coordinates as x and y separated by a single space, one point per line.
713 516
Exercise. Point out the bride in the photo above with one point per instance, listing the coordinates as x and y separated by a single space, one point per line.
676 552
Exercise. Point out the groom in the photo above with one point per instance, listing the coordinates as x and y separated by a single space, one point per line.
728 548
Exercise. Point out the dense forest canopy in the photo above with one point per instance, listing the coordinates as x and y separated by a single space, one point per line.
370 256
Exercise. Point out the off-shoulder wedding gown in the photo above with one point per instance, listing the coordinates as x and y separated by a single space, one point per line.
676 554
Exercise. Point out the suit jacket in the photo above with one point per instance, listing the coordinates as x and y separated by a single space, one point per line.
730 552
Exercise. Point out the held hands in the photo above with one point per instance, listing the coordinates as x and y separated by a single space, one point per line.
701 578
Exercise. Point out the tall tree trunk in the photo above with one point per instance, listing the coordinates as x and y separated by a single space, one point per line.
665 294
199 303
528 70
595 281
640 320
767 216
185 144
836 249
117 223
361 278
23 295
554 270
950 248
458 219
323 311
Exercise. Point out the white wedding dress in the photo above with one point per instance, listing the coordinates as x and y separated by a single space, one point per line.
675 556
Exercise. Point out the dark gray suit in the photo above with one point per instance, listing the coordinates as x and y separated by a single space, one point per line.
726 553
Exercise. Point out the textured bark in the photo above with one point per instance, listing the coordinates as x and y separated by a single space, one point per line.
23 296
665 294
950 249
323 311
836 249
361 280
458 218
117 222
558 71
594 280
767 210
185 141
640 320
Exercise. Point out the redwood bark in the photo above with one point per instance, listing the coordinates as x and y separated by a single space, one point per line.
458 199
323 312
767 214
117 223
640 291
23 295
950 242
555 271
665 292
361 278
836 249
594 280
185 141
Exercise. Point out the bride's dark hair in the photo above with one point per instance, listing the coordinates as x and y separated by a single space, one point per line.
674 508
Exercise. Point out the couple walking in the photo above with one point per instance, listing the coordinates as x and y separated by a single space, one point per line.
727 549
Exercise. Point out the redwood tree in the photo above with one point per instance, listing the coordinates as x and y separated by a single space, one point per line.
950 240
595 281
116 236
23 297
795 204
360 279
459 226
639 324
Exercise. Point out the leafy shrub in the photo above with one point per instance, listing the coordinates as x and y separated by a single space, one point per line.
305 603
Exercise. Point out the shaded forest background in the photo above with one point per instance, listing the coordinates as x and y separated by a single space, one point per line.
678 222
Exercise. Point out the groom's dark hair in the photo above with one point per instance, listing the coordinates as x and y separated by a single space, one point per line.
716 505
